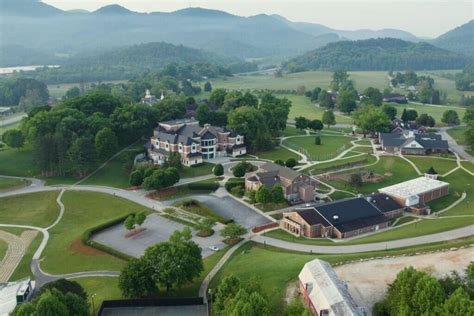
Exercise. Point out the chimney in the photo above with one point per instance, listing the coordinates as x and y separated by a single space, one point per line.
369 199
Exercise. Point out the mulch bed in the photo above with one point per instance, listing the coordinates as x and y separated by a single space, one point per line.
156 195
134 232
232 241
78 246
205 233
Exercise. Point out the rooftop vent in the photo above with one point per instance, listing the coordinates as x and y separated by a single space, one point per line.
335 217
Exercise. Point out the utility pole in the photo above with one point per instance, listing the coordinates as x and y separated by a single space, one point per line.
93 305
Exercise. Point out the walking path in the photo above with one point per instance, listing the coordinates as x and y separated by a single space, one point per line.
453 145
16 249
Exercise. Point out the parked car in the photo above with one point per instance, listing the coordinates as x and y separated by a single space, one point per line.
214 248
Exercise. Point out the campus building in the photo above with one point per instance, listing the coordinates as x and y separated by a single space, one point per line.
324 293
343 218
13 294
194 143
410 143
296 186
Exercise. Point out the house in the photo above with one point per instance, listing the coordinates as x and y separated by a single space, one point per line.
4 111
411 143
194 143
343 218
296 186
417 191
13 294
395 97
151 99
324 293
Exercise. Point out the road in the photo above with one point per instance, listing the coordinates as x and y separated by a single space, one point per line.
11 120
453 145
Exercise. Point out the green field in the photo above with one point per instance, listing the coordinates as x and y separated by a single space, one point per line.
35 209
7 184
17 162
59 90
278 153
330 146
83 210
435 111
196 171
104 288
327 166
302 106
440 165
292 131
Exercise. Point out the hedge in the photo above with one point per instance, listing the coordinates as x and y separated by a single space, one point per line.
234 182
86 237
212 186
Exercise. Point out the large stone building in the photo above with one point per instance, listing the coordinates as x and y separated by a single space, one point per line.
194 143
296 186
411 143
324 293
343 218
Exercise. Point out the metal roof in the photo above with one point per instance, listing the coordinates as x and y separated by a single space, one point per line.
412 187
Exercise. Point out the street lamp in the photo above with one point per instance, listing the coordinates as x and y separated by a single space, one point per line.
210 292
93 305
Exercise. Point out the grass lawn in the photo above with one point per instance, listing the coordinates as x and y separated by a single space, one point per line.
342 163
196 207
293 131
441 165
435 111
394 170
184 190
275 268
104 288
36 209
468 165
302 106
277 153
459 181
112 175
360 149
23 269
458 134
404 220
65 253
271 206
196 171
338 195
284 235
363 142
330 146
7 184
17 162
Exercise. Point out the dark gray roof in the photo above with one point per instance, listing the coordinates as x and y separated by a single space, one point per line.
428 141
208 135
312 217
383 202
392 139
284 172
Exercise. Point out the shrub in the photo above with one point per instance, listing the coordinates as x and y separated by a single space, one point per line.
291 162
317 140
237 191
218 170
211 186
136 178
279 162
356 180
239 170
233 183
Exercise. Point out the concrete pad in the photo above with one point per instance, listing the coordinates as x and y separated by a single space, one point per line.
158 229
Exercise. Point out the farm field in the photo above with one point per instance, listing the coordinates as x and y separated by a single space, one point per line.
83 210
435 111
330 146
59 90
35 209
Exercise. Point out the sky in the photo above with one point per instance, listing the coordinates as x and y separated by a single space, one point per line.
425 18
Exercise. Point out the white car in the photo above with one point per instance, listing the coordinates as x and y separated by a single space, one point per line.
214 248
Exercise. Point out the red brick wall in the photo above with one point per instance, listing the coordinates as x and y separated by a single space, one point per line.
260 228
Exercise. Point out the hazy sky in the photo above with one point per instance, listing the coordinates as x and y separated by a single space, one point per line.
421 17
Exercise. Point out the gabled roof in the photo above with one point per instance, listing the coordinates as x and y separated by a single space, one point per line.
428 141
313 218
208 135
284 172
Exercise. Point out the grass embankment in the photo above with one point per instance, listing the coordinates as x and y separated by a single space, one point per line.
35 209
18 162
7 184
458 133
441 165
330 146
196 207
198 187
342 163
275 268
65 253
3 249
278 153
197 171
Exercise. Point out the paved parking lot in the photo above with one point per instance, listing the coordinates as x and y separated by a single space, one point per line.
229 209
158 229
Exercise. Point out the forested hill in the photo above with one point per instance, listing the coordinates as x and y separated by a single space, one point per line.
460 39
377 54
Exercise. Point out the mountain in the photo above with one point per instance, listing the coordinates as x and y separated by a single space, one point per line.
33 8
377 54
460 39
113 9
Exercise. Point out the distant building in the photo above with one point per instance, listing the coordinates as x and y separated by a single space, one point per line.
151 99
343 218
194 143
411 143
4 111
324 293
296 186
13 294
395 98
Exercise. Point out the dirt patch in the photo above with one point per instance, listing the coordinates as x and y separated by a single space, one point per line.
78 246
366 178
291 292
156 195
134 232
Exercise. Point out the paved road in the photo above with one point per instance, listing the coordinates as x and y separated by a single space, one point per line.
426 239
453 145
11 120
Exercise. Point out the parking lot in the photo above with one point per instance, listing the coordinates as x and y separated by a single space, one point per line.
158 229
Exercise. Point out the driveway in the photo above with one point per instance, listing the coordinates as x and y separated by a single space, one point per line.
367 281
228 208
158 229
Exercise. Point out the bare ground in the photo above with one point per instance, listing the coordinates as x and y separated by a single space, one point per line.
368 280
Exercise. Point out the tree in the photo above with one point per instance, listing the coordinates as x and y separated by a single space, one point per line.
329 118
277 194
13 138
409 115
207 86
82 156
227 288
50 305
301 122
325 100
245 303
468 115
217 97
174 262
263 195
140 218
371 119
426 120
450 117
373 96
233 231
355 180
339 78
457 304
173 160
279 162
301 90
316 125
72 93
469 134
291 163
218 170
427 295
106 143
136 178
247 121
64 286
346 100
206 224
275 112
129 222
390 110
296 308
239 170
135 279
317 140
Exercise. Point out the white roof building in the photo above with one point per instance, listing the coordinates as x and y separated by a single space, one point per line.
12 293
327 294
410 191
